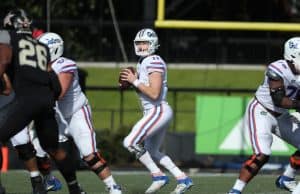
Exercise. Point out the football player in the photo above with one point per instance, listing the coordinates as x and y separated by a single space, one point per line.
26 60
271 104
147 135
42 158
28 135
75 111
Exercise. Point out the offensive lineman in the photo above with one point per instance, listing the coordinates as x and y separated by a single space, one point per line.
76 112
151 86
25 60
272 100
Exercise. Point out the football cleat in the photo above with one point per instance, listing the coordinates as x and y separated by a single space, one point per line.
286 183
52 183
234 191
115 189
183 185
38 186
78 190
157 183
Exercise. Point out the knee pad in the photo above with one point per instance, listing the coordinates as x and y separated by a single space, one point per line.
97 163
295 160
25 151
138 150
255 162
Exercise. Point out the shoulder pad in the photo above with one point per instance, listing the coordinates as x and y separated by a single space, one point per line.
273 75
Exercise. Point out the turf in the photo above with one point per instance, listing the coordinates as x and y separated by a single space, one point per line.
106 104
17 182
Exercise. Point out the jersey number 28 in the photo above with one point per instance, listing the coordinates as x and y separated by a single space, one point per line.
27 53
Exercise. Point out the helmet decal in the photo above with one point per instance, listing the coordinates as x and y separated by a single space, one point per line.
55 44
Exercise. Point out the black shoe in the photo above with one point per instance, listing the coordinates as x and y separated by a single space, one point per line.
78 191
38 186
2 190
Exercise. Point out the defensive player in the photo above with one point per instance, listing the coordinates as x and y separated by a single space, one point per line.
28 135
272 100
26 60
76 112
42 158
146 137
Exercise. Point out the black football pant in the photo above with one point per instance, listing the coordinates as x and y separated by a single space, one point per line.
16 115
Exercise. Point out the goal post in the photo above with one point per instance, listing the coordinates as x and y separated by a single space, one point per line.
162 22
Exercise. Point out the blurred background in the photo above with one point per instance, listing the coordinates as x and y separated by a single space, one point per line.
88 28
213 71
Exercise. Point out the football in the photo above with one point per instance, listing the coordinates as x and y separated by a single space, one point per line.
123 85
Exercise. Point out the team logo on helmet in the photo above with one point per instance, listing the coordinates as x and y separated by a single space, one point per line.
53 41
293 45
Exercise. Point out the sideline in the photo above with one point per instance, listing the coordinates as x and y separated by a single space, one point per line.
211 66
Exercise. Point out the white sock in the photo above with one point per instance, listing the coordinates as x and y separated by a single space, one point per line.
290 172
149 163
239 185
34 173
109 181
172 168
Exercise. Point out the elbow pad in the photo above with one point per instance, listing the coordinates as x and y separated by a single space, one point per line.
277 95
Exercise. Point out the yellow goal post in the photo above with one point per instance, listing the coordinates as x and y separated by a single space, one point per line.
162 22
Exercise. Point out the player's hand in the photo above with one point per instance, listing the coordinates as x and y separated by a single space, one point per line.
128 75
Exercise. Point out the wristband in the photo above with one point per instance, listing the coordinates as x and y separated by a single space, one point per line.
136 83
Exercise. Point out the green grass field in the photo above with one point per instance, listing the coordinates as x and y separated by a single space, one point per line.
17 182
106 104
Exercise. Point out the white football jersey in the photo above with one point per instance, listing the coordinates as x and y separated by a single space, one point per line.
291 85
152 63
74 98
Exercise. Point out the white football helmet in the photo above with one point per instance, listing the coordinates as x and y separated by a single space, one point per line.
55 44
292 52
147 35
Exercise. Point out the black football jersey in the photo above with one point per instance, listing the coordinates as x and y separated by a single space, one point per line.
28 69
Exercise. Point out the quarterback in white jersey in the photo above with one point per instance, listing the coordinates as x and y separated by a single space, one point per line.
147 135
268 113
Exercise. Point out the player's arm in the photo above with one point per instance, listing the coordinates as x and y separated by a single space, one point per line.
5 57
65 79
278 93
6 87
155 81
154 89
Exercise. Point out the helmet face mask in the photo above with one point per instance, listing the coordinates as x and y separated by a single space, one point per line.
55 44
17 20
292 52
143 36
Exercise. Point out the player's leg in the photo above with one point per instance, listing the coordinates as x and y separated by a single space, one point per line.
83 134
259 124
153 142
287 179
44 164
287 130
26 153
47 132
133 142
